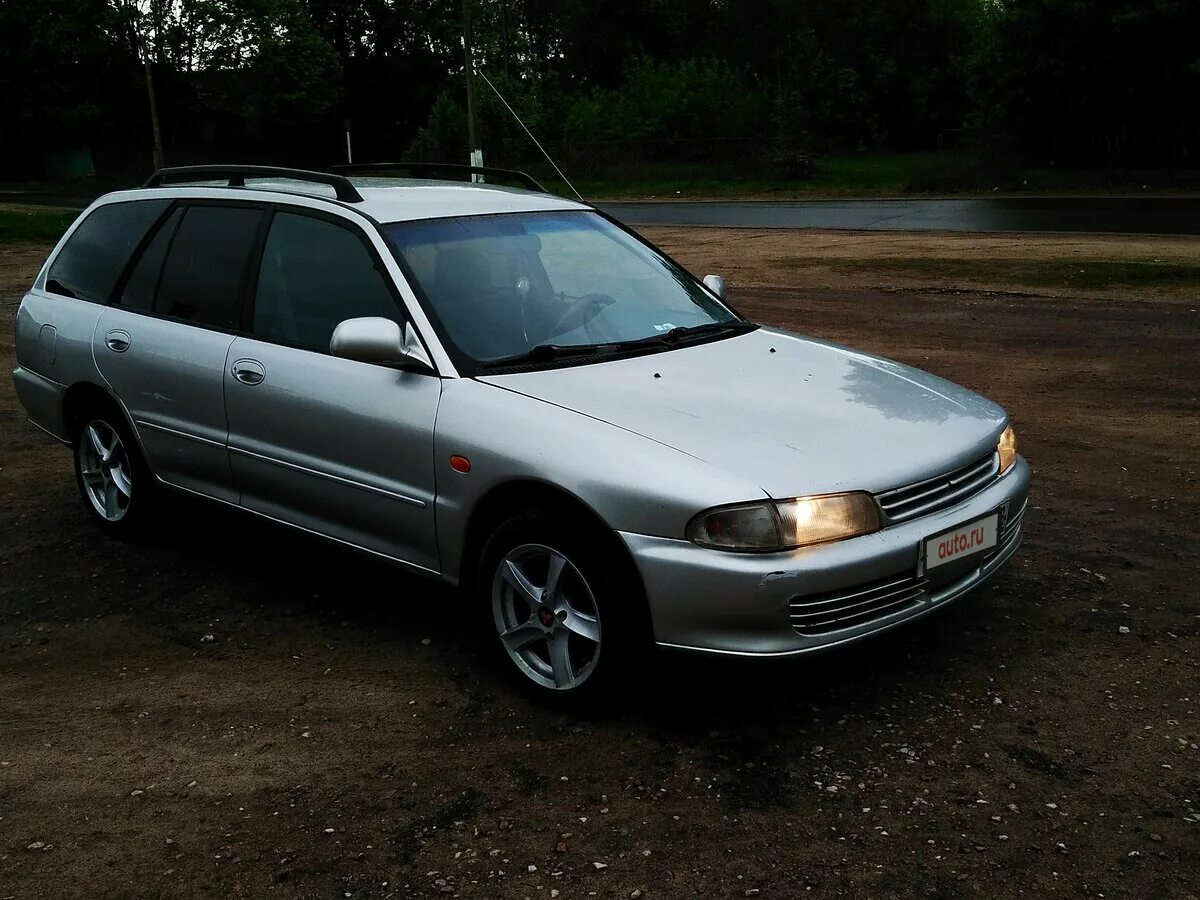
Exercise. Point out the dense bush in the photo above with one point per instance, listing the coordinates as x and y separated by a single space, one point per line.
702 98
444 134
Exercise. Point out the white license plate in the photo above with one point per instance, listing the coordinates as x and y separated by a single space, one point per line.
961 542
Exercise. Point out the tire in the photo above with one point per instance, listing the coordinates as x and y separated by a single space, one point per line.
114 481
567 638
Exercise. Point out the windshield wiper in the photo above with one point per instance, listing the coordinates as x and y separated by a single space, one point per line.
685 331
543 352
547 352
673 336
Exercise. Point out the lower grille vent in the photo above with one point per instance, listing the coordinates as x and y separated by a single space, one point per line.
822 613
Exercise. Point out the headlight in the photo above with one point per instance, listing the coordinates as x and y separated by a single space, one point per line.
785 524
1007 448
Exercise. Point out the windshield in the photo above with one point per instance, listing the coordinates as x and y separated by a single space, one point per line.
502 285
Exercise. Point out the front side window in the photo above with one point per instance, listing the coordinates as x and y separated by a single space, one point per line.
315 274
93 258
202 276
505 285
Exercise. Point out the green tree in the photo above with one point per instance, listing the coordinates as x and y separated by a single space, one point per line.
58 66
260 59
1090 82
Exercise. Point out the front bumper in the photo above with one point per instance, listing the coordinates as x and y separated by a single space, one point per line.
741 603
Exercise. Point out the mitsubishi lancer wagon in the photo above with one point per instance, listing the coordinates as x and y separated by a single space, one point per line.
512 393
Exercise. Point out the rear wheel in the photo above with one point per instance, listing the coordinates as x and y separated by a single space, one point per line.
109 470
566 614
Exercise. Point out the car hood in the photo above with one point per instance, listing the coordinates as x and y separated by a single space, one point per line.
792 414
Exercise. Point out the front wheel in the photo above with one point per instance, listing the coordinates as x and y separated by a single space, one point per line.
565 612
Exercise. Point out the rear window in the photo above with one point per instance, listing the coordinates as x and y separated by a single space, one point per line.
93 258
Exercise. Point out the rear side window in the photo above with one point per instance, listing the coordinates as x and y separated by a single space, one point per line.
315 274
139 289
93 258
202 276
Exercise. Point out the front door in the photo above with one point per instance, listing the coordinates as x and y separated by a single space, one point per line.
341 448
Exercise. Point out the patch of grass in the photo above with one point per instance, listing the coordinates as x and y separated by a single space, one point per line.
44 226
1081 275
875 174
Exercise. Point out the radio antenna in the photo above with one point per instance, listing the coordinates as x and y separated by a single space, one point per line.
488 81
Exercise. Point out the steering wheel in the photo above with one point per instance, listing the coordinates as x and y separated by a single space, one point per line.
580 312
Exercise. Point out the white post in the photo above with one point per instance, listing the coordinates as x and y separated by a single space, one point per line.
349 157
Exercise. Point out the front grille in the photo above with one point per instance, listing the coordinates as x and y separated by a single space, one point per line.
818 614
933 494
833 611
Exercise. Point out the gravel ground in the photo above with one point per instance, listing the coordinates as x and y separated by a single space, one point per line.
225 708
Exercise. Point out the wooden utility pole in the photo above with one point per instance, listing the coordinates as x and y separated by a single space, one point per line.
472 122
158 147
504 33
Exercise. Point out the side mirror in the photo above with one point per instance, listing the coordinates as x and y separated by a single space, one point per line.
716 284
374 339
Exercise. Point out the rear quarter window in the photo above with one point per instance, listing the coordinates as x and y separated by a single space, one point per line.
139 289
96 253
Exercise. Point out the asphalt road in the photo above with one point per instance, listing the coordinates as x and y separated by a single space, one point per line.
1111 215
1149 215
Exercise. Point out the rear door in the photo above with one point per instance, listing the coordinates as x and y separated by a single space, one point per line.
339 447
163 344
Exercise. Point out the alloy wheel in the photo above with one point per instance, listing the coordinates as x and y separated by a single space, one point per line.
546 617
105 470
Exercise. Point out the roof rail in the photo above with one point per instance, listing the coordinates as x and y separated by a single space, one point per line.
237 176
421 169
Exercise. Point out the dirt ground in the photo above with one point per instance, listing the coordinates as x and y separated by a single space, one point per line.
227 709
1087 266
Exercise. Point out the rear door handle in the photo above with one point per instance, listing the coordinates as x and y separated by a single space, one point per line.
117 341
249 371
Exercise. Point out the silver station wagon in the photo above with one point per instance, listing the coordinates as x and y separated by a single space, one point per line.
510 392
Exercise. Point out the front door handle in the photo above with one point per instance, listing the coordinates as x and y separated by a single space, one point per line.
249 371
117 341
